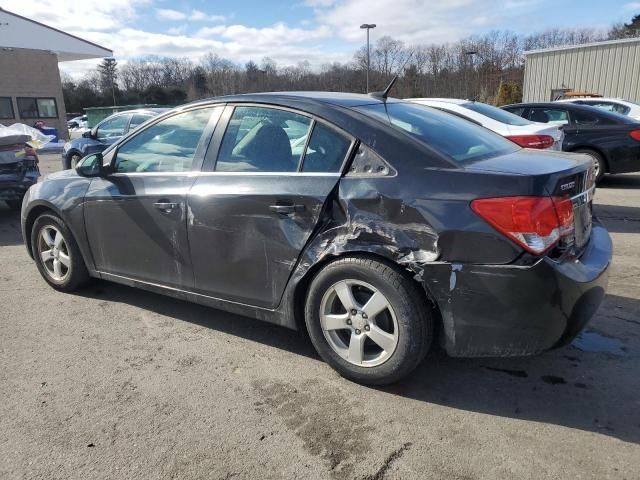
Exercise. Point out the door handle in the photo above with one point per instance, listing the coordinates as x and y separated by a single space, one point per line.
286 209
165 206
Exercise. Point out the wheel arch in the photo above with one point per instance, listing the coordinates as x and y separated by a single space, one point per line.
30 219
598 150
301 288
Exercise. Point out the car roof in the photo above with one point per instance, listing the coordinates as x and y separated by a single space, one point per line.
594 99
456 101
575 107
155 111
325 98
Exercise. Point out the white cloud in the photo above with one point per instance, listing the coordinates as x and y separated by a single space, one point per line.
631 6
69 15
194 15
168 14
328 30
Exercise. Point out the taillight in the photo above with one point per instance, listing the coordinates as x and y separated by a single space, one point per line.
532 141
635 134
534 223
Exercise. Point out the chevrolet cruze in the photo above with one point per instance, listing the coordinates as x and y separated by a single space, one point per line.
381 227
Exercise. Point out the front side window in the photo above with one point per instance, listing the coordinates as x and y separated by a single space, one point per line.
37 107
326 151
458 139
138 119
113 127
519 111
549 115
260 139
167 146
6 107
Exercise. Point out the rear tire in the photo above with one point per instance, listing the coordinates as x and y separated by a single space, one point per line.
599 163
57 255
377 348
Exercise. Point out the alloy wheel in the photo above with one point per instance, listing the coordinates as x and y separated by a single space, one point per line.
359 323
54 253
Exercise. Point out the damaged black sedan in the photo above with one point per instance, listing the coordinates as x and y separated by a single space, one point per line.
377 225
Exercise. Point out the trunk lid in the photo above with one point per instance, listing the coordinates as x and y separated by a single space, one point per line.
555 174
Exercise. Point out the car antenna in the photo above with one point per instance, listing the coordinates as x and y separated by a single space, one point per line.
385 93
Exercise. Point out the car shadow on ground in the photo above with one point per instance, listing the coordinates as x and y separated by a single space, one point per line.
588 390
10 233
620 181
619 219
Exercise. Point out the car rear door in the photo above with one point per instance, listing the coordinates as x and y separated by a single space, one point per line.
270 172
136 217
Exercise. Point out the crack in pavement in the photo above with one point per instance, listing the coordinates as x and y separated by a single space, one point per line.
386 465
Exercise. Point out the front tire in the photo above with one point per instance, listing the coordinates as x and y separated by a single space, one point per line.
368 320
71 160
57 254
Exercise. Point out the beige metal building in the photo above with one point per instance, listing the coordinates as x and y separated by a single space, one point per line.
611 69
30 85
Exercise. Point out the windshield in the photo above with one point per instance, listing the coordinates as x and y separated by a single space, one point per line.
450 135
496 113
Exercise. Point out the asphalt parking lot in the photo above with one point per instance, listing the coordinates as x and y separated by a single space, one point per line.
114 382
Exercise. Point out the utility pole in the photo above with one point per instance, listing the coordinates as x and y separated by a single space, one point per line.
367 27
471 54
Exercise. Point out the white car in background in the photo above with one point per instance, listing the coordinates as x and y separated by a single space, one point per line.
525 133
615 105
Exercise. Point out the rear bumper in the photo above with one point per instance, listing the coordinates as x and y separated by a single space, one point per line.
504 310
13 186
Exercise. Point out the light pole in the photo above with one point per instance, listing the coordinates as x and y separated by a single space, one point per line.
470 54
367 27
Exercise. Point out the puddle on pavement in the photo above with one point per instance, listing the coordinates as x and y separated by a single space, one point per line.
590 341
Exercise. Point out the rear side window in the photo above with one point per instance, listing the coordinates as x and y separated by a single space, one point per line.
610 107
450 135
589 118
326 150
261 139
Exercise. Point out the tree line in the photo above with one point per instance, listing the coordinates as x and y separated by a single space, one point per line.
489 68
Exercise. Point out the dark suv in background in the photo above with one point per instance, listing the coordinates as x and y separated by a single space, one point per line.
106 133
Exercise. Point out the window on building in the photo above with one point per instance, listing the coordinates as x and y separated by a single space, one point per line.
31 107
6 107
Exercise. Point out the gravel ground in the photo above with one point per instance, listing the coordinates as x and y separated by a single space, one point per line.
115 382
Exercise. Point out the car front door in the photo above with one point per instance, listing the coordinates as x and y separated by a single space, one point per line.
270 173
136 216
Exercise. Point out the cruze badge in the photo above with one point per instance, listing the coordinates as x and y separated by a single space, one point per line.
567 186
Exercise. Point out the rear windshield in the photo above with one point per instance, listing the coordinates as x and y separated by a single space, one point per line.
496 113
450 135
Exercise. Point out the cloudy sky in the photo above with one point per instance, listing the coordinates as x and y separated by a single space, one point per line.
318 31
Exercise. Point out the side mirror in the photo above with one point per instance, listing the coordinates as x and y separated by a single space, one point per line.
93 133
92 166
